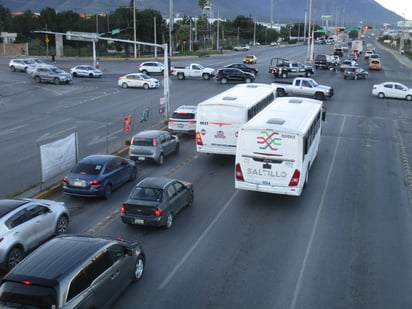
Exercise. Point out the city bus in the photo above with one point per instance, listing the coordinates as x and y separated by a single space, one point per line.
220 117
276 148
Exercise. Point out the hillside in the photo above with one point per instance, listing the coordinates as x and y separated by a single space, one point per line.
344 12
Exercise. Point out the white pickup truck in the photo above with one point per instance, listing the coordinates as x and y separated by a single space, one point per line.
193 70
302 86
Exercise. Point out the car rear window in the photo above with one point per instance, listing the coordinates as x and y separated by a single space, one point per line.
181 115
147 194
142 142
19 295
87 169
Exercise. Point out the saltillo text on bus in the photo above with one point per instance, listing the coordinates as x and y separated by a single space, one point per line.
276 148
220 117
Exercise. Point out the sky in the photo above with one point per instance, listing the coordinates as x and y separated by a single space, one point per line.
400 7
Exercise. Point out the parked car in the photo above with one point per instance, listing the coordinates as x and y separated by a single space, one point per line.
153 145
392 90
86 71
27 223
99 175
156 201
150 67
73 271
243 67
355 73
183 120
375 64
250 59
51 74
225 75
139 80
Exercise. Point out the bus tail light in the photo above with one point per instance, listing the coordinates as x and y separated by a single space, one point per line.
238 172
294 181
199 139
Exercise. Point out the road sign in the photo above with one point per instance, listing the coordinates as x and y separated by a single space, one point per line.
81 36
47 40
116 31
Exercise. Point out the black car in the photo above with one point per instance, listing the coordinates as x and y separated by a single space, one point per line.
243 67
323 62
225 75
155 201
355 73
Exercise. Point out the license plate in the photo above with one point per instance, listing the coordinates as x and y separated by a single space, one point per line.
141 158
138 221
79 183
180 125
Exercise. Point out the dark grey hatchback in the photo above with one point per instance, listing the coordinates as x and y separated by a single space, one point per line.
73 271
156 200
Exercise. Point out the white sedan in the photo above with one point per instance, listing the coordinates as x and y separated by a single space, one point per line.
86 71
392 90
139 80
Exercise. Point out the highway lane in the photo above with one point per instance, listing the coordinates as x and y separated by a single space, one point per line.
345 243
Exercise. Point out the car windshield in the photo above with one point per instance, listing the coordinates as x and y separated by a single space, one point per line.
147 194
56 70
87 169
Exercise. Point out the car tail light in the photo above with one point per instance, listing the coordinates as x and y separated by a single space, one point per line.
171 121
123 209
294 181
26 282
158 212
238 172
199 139
65 180
154 143
94 183
191 122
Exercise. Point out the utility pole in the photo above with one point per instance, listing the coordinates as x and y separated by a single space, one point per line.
134 28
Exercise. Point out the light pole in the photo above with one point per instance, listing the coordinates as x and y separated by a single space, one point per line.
134 28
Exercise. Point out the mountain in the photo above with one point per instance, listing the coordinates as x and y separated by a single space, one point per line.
343 12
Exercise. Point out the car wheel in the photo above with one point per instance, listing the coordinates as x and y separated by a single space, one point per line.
308 74
280 92
107 191
319 96
57 81
146 86
223 80
37 79
91 75
139 268
408 98
356 77
206 76
161 159
248 80
74 74
180 76
190 201
61 225
144 72
169 221
381 95
133 174
344 77
284 75
124 85
13 68
177 149
14 257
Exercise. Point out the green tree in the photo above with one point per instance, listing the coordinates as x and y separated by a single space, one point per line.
5 19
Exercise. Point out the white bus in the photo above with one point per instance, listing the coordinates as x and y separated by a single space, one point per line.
276 148
220 117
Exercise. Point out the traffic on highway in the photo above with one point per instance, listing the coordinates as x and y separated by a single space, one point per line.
343 243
